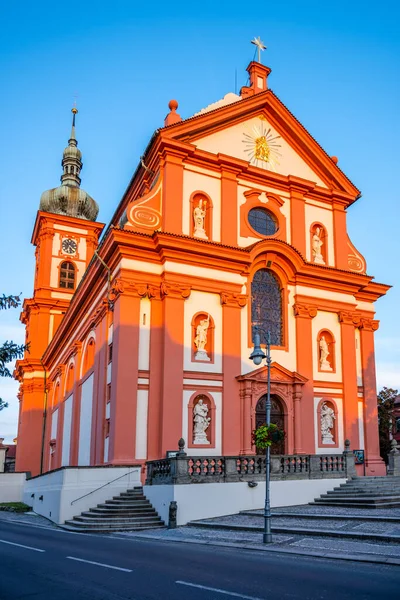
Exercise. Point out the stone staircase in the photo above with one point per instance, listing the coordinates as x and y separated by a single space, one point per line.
129 511
364 492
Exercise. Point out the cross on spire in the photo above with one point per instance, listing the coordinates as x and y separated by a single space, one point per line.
260 46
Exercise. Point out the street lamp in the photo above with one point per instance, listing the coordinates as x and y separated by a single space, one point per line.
257 357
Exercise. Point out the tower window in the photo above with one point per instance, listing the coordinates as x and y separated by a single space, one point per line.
67 276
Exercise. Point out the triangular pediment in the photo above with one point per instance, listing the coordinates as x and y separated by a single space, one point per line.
262 131
278 375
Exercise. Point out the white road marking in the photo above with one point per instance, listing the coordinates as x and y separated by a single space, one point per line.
211 589
92 562
22 546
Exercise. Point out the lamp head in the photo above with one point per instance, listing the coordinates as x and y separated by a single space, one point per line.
257 355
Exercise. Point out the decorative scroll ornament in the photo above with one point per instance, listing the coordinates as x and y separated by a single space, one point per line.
199 216
349 318
201 422
305 310
369 324
174 290
317 244
327 423
200 340
324 364
231 299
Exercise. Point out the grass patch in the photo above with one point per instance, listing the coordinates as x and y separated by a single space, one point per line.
14 507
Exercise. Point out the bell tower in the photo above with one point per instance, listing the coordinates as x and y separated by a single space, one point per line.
65 235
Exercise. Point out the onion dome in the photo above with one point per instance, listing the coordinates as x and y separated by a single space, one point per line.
69 199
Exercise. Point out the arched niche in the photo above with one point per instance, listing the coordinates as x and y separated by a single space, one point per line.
202 200
198 330
208 401
326 351
323 441
318 244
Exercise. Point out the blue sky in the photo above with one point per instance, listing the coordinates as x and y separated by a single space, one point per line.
335 65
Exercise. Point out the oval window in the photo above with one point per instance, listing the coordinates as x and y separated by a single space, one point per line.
263 221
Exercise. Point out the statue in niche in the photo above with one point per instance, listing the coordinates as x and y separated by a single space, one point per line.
324 364
201 422
199 216
327 423
317 244
200 340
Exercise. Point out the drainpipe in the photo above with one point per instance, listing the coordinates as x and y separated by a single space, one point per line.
44 417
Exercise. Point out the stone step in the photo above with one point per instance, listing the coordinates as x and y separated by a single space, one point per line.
324 516
123 511
130 497
360 499
356 535
355 504
84 528
119 521
362 492
125 504
118 515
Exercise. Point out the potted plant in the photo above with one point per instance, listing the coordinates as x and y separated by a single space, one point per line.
266 435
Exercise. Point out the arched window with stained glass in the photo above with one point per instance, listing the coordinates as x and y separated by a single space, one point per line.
266 307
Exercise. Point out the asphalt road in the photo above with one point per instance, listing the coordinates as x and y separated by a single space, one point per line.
38 563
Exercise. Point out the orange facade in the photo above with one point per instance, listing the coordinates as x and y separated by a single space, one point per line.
236 221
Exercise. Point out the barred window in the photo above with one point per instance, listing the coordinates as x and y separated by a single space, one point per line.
266 307
67 276
263 221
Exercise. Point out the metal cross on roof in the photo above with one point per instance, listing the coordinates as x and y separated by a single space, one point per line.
260 46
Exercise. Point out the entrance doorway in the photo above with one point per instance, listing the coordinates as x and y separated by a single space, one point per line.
277 417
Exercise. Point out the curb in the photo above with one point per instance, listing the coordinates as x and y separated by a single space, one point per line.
364 558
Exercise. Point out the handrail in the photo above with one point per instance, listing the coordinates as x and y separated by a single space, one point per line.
99 488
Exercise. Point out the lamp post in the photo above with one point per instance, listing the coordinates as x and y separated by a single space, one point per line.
257 357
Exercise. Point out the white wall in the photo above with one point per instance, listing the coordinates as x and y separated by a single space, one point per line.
141 424
144 334
66 439
11 487
204 501
60 488
85 427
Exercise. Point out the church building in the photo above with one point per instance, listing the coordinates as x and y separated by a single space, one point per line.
233 223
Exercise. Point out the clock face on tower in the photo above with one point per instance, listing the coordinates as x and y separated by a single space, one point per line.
69 246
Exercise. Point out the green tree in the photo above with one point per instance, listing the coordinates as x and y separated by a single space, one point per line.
9 351
386 398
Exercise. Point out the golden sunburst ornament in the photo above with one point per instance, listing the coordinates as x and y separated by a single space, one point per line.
261 147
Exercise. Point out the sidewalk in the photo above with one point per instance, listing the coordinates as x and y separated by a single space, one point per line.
305 535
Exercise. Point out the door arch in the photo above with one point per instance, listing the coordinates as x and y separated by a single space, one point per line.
277 417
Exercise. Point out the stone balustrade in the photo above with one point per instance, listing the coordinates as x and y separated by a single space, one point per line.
183 469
